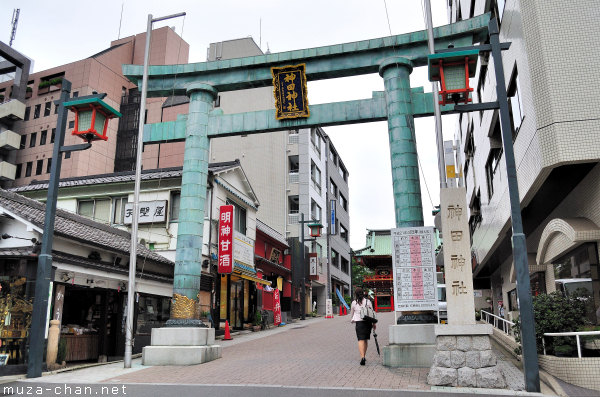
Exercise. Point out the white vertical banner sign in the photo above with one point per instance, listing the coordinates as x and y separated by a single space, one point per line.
413 263
328 308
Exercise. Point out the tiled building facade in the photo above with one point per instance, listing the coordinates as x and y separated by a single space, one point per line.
100 73
555 130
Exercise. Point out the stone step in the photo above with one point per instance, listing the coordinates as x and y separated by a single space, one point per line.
180 355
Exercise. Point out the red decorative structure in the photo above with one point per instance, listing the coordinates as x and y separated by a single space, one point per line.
91 118
453 70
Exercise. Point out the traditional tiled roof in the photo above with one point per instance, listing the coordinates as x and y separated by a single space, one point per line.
126 176
76 227
379 243
266 229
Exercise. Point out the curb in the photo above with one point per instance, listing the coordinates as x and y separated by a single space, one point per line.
14 378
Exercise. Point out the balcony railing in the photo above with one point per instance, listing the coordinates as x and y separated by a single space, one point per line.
293 218
293 139
575 334
294 177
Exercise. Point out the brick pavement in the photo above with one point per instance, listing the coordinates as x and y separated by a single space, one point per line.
316 352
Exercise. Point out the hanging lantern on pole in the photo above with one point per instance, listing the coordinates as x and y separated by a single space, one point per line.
91 118
453 70
315 229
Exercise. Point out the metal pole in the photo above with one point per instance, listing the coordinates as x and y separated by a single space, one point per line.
439 138
136 193
302 266
136 203
44 268
528 343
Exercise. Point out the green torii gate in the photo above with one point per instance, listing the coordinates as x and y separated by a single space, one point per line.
392 57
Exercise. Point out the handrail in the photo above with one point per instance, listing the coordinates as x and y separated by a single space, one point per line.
572 333
506 324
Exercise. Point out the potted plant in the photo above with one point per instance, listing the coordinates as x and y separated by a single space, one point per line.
256 325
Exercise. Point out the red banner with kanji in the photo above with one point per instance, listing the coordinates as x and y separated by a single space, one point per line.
276 307
226 239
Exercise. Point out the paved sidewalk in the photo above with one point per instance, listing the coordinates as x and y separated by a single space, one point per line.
317 352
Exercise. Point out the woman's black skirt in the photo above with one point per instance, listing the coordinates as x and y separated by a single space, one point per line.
363 330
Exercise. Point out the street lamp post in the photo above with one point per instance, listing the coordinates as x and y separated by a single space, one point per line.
315 227
436 65
44 269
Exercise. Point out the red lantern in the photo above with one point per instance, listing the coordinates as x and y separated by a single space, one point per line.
91 118
453 70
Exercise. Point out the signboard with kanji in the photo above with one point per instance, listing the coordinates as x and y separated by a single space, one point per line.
289 88
243 249
413 261
225 239
312 259
148 212
276 307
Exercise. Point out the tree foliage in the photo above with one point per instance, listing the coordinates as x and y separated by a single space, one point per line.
358 274
554 313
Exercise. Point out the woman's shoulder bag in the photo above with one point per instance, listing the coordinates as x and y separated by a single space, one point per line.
367 313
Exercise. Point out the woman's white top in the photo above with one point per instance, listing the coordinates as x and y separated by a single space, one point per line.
355 310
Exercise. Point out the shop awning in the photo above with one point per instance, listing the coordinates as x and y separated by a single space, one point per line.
248 273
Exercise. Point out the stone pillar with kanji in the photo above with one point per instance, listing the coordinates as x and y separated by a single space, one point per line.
464 355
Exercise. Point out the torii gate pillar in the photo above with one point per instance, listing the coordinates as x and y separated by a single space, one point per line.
186 281
403 149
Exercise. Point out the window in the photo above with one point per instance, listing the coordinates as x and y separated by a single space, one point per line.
49 165
345 267
96 209
343 172
315 138
315 174
52 135
72 124
335 258
36 111
39 166
175 203
343 202
27 113
75 94
239 217
32 139
23 142
18 171
513 302
28 168
490 169
55 109
343 233
43 137
481 87
333 157
315 210
47 108
333 188
118 216
516 104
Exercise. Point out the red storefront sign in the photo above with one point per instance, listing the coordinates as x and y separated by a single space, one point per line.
226 239
276 307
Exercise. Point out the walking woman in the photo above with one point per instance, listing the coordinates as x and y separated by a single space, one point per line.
363 328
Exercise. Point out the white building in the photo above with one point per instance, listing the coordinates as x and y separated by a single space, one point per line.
550 74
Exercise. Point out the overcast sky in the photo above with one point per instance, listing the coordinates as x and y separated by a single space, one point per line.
57 32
